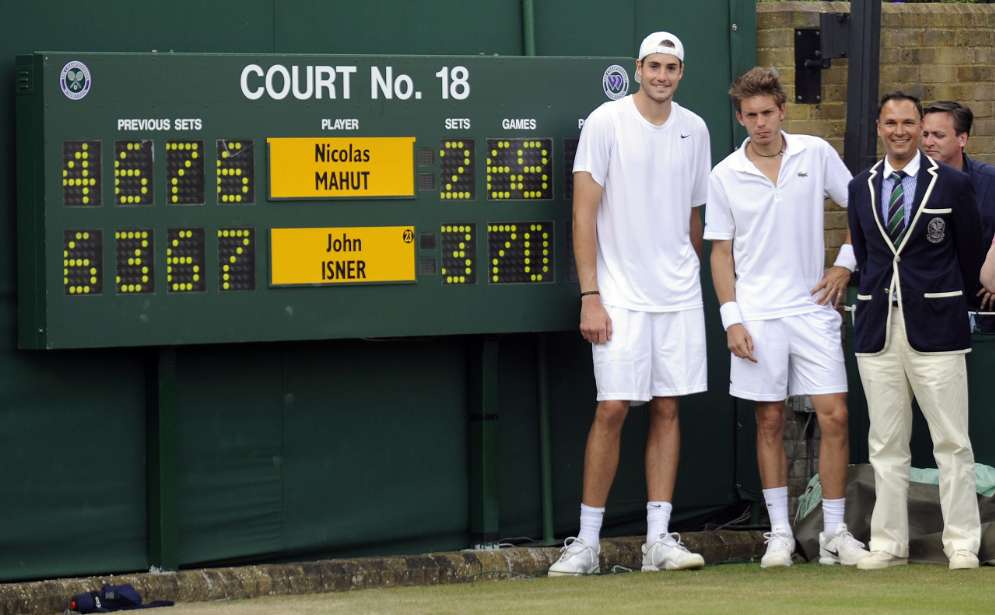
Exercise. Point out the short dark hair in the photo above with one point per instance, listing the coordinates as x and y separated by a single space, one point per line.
963 116
758 81
670 44
900 95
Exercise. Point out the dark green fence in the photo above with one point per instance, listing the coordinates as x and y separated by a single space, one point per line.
120 459
290 450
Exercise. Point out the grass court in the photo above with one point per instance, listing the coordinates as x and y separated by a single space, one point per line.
740 589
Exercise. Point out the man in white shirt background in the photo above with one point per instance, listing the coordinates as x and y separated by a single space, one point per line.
765 220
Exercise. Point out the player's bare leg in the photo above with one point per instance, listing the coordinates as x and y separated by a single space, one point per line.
834 449
663 550
580 554
771 460
836 544
601 454
663 449
773 466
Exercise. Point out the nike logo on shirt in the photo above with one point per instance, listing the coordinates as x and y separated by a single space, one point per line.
683 136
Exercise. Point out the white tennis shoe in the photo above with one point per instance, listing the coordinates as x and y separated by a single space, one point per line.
841 548
576 558
878 560
669 553
963 559
780 547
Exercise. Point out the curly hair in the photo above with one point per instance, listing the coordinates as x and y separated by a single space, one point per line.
758 81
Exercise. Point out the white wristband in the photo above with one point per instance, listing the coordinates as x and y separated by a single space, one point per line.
731 315
846 258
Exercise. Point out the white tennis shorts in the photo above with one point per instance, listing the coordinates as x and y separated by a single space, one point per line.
651 354
796 355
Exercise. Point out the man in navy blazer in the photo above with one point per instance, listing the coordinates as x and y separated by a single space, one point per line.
946 130
917 238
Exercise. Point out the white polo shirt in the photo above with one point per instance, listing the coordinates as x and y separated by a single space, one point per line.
777 230
652 176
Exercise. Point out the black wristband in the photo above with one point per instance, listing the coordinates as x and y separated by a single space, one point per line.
590 292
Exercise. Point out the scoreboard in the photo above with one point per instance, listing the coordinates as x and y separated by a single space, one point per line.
185 199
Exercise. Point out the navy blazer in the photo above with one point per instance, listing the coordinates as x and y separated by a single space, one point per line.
983 179
933 270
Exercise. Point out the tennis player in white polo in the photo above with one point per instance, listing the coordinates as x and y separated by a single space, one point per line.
641 168
765 220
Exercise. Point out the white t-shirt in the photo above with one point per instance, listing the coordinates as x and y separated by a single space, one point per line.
777 230
652 176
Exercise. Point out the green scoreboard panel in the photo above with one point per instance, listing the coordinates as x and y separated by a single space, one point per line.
185 199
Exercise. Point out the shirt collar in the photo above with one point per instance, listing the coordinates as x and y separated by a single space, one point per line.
792 147
911 169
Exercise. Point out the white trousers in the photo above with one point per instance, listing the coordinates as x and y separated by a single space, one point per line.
939 383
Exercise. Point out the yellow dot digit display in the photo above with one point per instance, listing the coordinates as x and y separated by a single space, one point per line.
237 259
569 154
457 162
185 257
133 163
82 262
519 169
185 172
520 252
81 182
235 172
133 251
459 254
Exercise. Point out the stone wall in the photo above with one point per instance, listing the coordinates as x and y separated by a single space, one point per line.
801 446
935 51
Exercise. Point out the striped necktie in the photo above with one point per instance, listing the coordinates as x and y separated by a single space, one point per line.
896 208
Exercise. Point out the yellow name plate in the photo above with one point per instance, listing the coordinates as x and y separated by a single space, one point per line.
341 167
342 255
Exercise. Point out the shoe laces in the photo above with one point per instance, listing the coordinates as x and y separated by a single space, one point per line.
846 537
778 539
574 545
673 540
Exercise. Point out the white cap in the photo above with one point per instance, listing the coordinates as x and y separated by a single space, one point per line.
654 43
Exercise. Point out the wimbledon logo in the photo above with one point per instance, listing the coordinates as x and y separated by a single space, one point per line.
615 82
75 80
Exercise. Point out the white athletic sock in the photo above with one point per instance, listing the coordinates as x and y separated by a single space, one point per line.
777 509
657 520
590 525
832 515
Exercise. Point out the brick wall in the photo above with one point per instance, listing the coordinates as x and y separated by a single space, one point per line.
801 446
935 51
